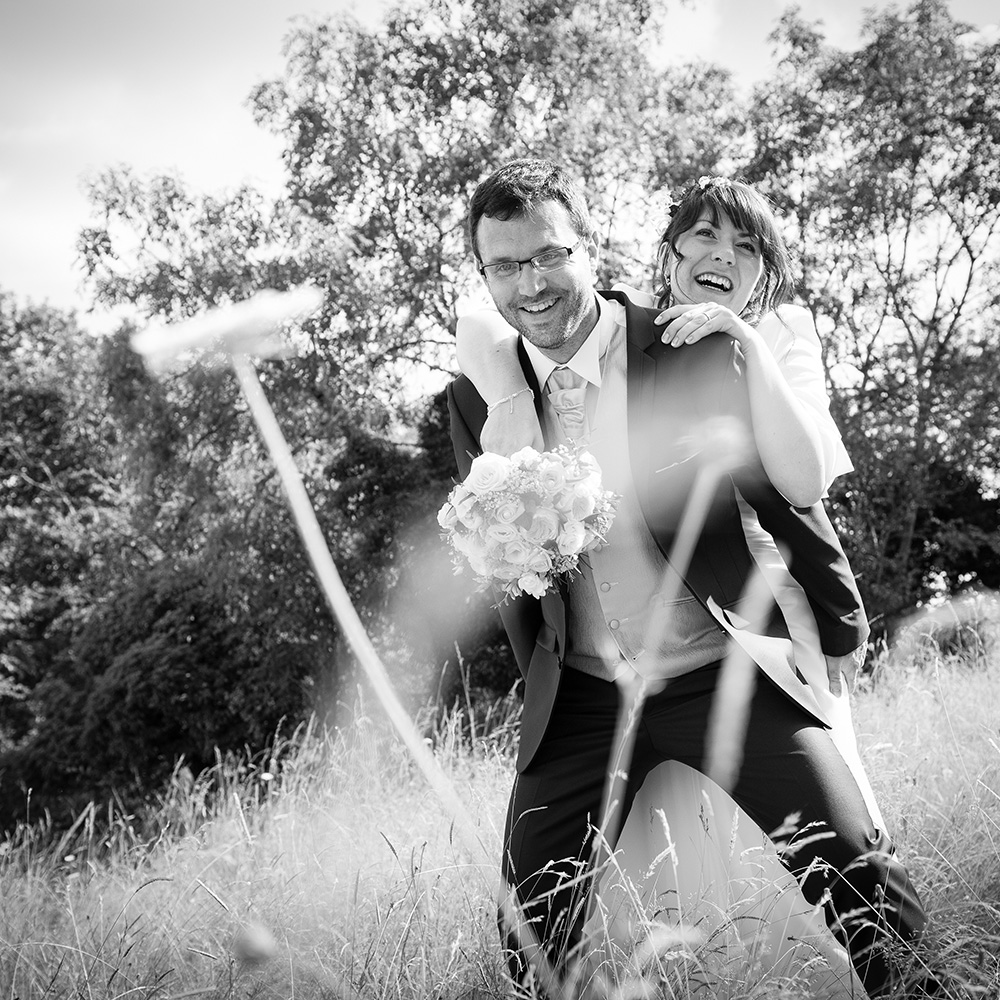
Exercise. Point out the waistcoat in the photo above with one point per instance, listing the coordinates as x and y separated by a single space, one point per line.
626 593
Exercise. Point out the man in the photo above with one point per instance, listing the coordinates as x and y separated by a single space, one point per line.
646 409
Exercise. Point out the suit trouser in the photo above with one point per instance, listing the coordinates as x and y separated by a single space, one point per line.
790 766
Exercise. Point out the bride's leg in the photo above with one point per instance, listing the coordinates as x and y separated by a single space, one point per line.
792 768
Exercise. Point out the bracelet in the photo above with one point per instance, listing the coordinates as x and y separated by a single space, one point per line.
508 399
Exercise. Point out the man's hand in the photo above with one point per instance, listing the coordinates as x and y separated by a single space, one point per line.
839 667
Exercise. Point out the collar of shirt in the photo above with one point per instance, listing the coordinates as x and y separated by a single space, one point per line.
587 360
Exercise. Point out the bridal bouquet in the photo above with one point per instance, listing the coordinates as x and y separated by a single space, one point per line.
523 521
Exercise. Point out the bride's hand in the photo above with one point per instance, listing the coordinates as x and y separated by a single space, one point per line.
688 322
511 426
841 668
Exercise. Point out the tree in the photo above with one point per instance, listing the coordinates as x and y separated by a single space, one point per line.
58 494
387 132
146 536
161 669
195 556
119 489
888 161
956 540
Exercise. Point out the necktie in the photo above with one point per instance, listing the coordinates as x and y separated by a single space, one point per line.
567 397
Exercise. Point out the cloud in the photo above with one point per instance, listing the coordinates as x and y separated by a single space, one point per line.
45 133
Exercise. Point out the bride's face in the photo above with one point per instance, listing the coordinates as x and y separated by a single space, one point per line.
716 262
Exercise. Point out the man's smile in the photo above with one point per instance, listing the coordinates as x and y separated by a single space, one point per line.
536 308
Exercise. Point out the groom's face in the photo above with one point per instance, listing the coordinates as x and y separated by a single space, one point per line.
555 310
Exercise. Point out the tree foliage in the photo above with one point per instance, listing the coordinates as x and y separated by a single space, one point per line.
161 669
386 133
156 598
58 494
888 160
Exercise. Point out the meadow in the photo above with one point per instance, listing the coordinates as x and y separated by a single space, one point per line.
328 869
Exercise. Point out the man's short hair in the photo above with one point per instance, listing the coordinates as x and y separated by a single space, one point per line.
518 186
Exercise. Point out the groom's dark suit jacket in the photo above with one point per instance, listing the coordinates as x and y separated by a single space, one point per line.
673 394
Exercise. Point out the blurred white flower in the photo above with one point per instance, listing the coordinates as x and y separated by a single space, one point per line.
254 944
725 440
253 326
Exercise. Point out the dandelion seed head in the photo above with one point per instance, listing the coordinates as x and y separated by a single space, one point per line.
254 944
254 326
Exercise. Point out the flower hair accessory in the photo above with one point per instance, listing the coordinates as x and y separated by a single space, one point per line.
522 522
702 184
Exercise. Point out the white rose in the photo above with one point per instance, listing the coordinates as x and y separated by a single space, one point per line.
551 476
467 512
571 538
532 584
447 516
509 511
526 458
564 501
507 572
583 504
480 566
544 526
540 562
474 549
517 552
501 533
463 542
489 472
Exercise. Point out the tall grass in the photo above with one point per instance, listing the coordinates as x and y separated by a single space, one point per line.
929 732
322 870
327 869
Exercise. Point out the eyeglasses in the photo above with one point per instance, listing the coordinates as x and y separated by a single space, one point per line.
548 260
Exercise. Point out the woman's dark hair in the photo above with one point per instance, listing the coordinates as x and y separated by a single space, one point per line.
749 211
517 187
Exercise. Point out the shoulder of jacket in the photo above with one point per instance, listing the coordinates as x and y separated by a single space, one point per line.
463 392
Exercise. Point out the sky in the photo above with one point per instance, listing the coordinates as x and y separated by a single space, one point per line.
90 84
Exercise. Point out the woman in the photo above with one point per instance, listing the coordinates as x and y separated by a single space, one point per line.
723 268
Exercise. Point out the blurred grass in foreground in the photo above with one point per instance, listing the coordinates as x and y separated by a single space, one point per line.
328 870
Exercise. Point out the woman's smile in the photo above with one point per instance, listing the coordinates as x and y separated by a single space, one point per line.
716 262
